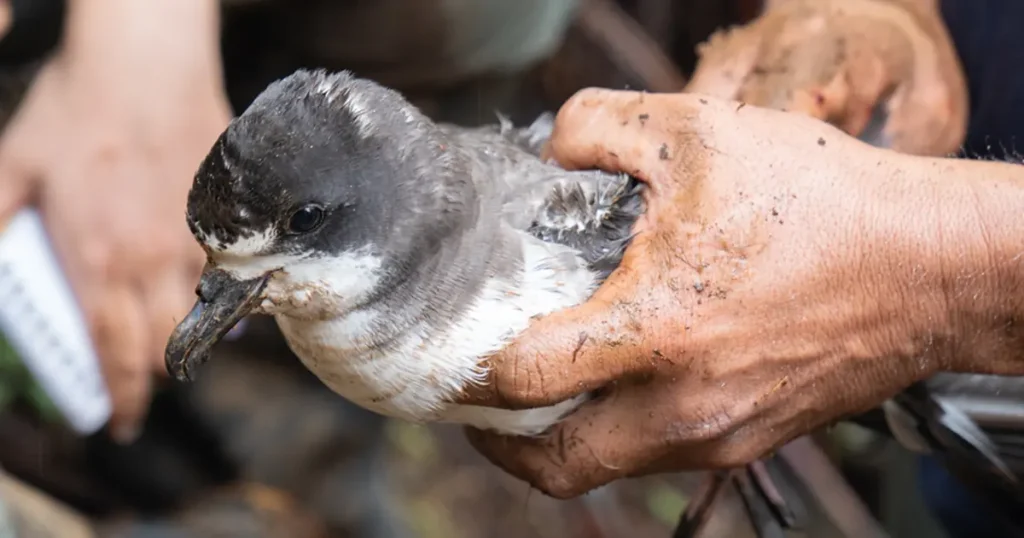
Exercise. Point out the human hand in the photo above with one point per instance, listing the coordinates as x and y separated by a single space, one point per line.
837 60
106 142
777 282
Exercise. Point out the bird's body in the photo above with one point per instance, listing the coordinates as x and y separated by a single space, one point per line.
439 247
415 348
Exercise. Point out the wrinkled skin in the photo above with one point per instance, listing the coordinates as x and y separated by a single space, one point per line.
777 283
106 143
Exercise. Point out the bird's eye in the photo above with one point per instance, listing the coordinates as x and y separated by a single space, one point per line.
306 219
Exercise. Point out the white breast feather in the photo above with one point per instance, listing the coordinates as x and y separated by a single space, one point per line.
417 380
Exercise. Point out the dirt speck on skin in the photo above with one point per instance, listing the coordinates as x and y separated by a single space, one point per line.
613 341
643 119
663 152
635 324
657 355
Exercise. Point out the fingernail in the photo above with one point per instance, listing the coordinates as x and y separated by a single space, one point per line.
125 434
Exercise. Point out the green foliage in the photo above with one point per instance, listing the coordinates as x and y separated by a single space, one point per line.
16 383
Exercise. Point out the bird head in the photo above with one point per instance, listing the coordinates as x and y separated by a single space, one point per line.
325 191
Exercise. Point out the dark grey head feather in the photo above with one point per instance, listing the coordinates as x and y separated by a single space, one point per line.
385 174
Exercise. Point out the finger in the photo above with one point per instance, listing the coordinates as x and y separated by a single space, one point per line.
609 439
168 296
15 193
634 132
725 60
120 335
638 429
15 183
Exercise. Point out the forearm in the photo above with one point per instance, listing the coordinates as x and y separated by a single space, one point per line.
977 255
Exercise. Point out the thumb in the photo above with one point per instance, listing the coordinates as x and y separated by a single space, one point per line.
572 351
646 135
18 171
15 187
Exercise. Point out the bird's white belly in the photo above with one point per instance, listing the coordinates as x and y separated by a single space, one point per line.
401 386
425 369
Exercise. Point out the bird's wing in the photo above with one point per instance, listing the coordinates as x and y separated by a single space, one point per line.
973 423
591 211
994 405
529 139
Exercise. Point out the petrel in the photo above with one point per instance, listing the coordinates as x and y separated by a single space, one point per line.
396 254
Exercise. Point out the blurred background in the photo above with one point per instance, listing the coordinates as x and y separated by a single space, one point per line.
258 447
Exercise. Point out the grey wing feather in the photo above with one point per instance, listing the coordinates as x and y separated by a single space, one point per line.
991 409
530 139
590 210
973 422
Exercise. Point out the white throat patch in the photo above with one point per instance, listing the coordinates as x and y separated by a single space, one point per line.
303 285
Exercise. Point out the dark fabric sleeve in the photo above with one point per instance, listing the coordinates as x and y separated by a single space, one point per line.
989 37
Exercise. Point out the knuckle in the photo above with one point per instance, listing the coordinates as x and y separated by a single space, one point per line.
735 451
150 253
524 383
161 254
96 257
124 372
589 97
559 484
101 324
578 106
707 426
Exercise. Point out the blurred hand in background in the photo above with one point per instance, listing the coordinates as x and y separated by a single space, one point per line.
847 62
106 144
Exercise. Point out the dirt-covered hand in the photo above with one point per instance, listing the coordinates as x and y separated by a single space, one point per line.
763 296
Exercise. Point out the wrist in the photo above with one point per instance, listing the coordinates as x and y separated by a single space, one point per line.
962 245
985 280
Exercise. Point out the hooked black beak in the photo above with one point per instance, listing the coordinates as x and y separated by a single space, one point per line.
223 302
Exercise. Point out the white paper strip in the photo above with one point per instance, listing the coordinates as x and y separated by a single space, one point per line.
41 319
